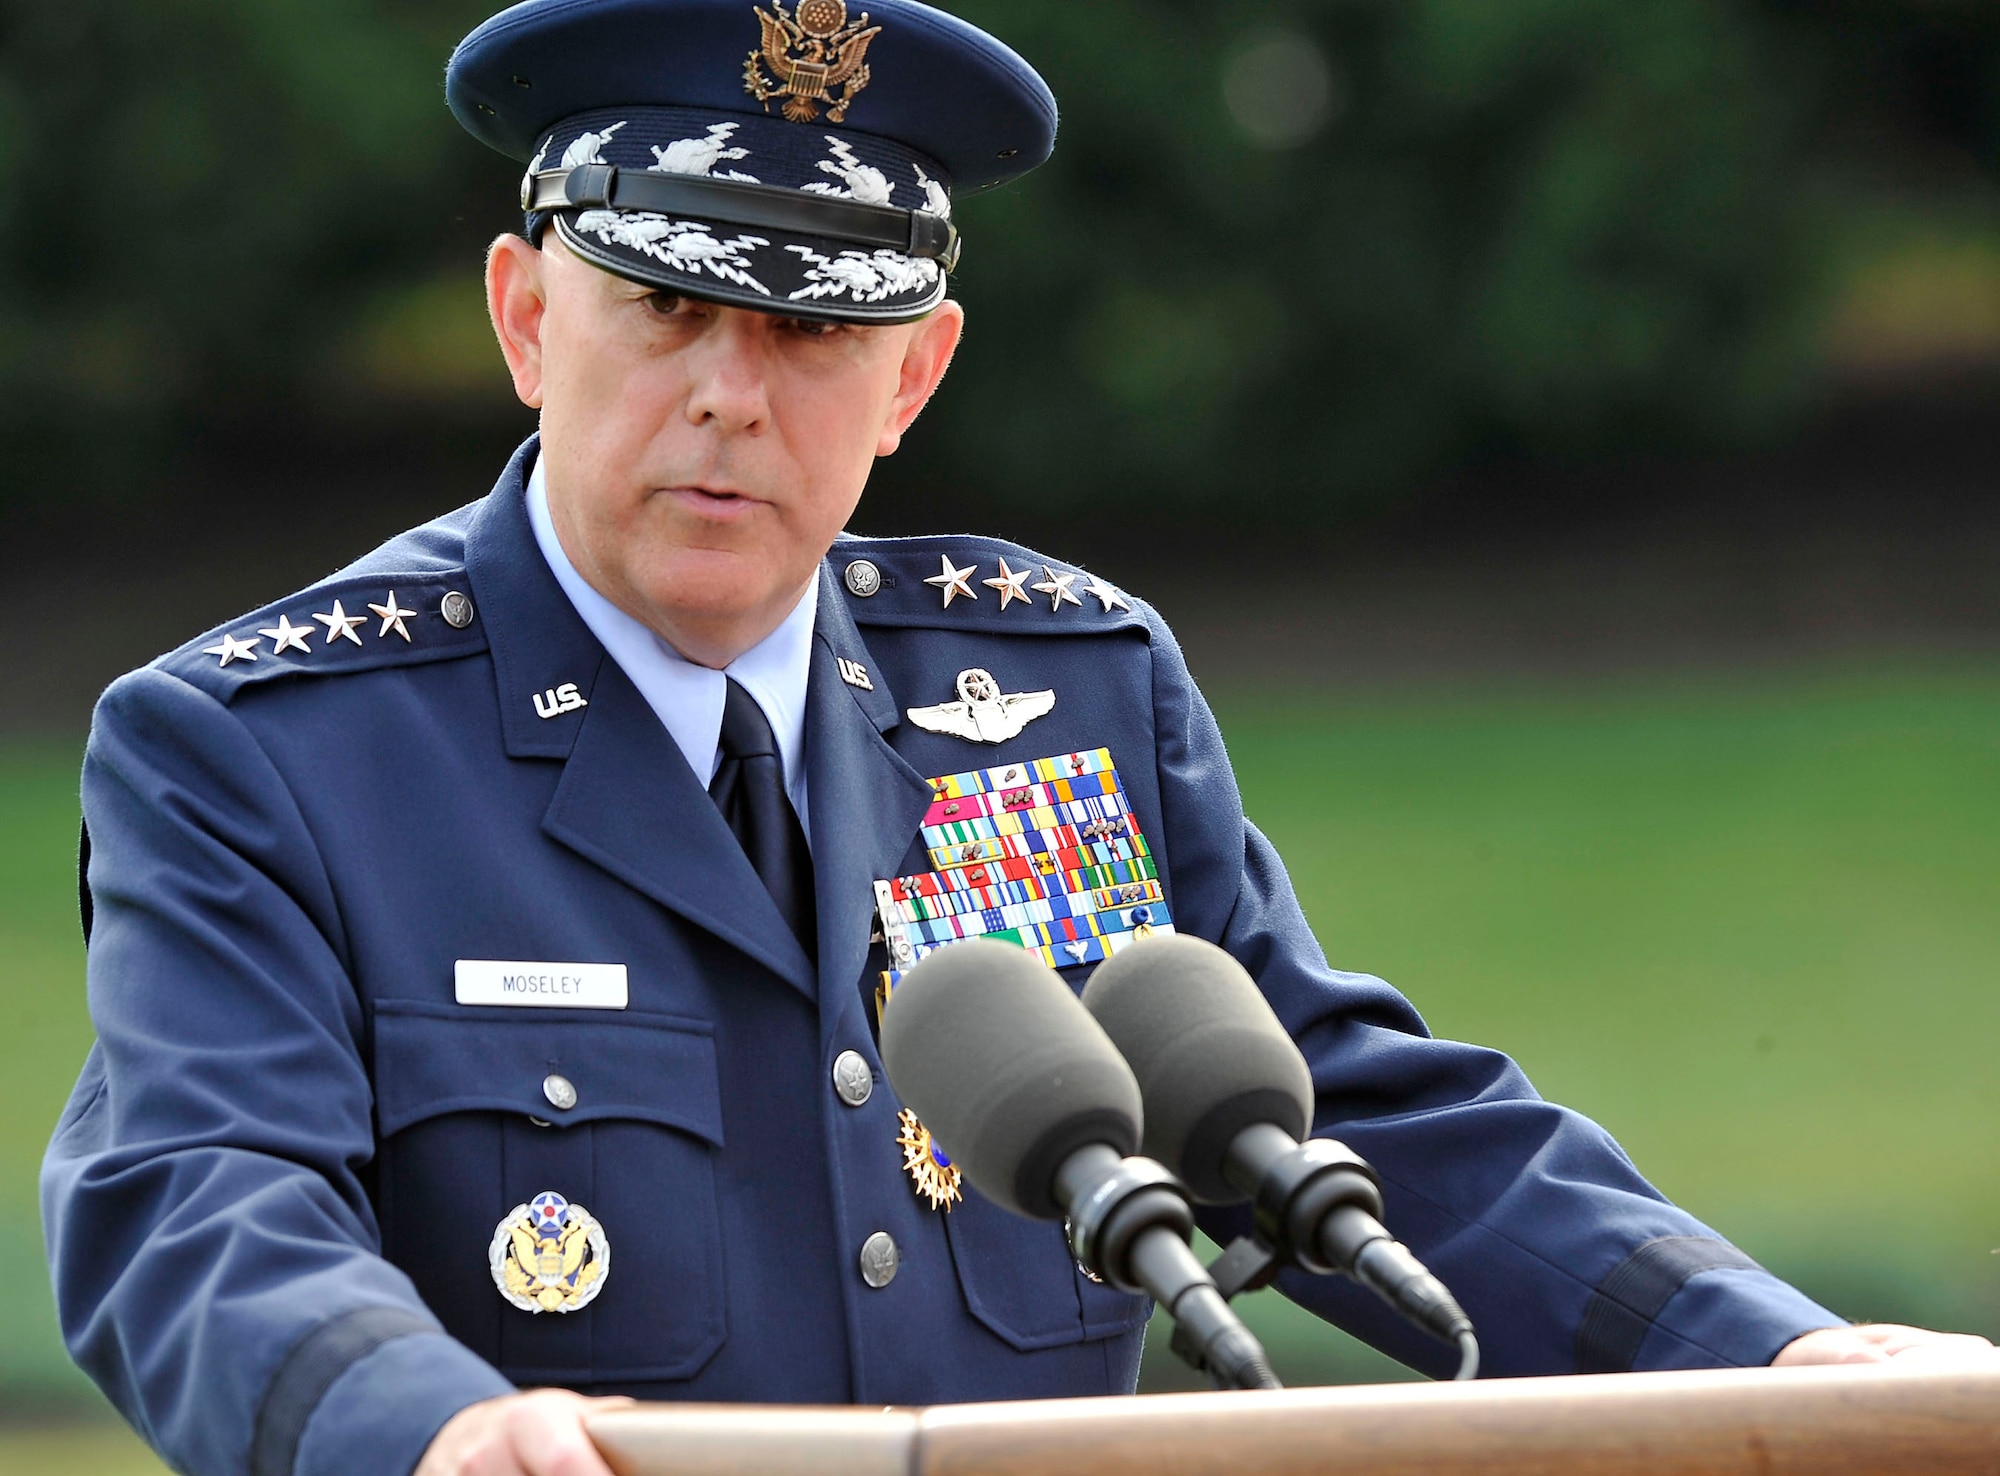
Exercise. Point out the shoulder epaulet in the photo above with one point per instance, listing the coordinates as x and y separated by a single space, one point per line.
969 582
351 623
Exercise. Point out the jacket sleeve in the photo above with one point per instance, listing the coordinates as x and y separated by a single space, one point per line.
213 1248
1566 1259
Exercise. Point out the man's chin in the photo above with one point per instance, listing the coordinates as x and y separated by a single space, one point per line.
721 587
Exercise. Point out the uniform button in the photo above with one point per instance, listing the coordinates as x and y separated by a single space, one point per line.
560 1092
457 610
863 578
879 1260
852 1079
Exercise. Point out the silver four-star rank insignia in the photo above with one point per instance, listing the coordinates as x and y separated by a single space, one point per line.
954 581
232 649
288 635
984 714
549 1255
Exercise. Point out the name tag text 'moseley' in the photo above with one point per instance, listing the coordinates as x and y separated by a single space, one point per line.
573 986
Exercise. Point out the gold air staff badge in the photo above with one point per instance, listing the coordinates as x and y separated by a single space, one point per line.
549 1255
936 1177
809 57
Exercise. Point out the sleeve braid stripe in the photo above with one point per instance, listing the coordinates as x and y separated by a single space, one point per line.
1623 1308
310 1369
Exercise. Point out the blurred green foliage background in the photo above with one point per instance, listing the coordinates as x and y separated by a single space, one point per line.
1291 254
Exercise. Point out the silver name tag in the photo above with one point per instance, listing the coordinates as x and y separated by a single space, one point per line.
574 986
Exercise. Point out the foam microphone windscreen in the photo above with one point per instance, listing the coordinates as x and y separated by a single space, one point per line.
986 1044
1210 1056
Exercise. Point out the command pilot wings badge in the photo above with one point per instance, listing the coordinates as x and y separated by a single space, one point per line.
986 715
809 57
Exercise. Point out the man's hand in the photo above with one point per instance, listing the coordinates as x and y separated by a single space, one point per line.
1886 1342
538 1434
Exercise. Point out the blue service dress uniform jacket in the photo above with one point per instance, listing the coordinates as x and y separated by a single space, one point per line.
270 1200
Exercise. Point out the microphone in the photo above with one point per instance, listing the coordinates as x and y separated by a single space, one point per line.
1033 1103
1227 1098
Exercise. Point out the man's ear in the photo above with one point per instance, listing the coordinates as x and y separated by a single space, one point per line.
933 341
516 300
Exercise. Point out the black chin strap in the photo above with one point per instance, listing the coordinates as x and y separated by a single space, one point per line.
916 233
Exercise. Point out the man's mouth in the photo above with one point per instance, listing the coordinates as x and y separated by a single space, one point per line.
713 502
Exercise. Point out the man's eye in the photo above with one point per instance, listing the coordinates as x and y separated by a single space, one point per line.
666 304
814 327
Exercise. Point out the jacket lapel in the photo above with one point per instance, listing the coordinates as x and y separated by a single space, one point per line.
867 803
539 643
627 801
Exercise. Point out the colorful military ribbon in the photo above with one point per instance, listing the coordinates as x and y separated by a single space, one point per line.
1046 855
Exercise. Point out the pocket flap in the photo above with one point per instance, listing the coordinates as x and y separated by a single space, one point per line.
435 1059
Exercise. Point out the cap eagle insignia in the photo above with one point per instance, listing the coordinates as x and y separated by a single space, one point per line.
811 56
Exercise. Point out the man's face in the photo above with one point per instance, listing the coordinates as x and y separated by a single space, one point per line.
701 459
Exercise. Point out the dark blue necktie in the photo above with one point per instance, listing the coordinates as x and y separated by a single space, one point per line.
749 789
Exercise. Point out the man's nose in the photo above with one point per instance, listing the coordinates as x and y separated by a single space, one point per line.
727 369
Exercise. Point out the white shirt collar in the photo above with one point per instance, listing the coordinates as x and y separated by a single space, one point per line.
688 698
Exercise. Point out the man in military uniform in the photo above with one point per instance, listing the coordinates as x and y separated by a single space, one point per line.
484 942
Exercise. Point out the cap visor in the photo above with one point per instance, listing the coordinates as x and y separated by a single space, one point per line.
764 270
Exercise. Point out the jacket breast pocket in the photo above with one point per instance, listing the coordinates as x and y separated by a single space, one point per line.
1019 1278
472 1123
1022 1284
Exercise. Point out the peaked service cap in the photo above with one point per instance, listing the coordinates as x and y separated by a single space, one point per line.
792 158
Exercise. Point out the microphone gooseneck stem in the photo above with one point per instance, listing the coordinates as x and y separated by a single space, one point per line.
1163 1264
1386 1267
1318 1206
1130 1223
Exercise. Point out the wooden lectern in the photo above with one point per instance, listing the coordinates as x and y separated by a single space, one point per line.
1760 1422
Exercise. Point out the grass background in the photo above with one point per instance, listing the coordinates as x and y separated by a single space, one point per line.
1748 924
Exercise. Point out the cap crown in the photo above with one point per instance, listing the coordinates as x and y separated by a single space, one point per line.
933 84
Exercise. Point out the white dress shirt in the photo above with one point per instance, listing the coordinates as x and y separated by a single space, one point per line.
688 698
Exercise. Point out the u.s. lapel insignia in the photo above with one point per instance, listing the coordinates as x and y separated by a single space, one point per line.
549 1255
986 714
936 1177
854 674
813 56
559 700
